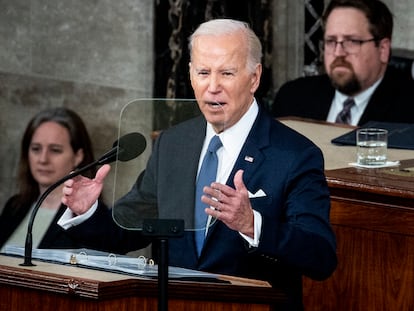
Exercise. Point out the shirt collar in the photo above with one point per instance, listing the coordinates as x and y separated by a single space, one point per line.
362 98
234 137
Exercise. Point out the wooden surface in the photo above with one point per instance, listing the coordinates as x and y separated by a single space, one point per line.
372 215
59 287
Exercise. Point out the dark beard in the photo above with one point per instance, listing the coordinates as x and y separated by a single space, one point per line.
348 87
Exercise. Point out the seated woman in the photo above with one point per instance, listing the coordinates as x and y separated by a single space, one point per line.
54 143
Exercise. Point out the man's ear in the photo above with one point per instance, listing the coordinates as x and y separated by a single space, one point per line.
190 73
256 78
385 50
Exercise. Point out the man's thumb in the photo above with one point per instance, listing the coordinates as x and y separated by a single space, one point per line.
238 180
102 173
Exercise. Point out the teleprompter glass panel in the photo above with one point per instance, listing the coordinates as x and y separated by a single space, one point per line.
150 118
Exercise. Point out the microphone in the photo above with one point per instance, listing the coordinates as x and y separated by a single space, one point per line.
124 149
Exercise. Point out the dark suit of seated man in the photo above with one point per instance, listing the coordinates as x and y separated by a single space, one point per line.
357 49
311 97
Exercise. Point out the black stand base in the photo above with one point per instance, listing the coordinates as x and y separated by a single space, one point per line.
162 229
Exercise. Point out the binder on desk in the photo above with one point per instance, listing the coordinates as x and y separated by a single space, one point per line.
400 135
109 262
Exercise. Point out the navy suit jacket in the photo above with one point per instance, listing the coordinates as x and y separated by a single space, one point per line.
296 237
311 97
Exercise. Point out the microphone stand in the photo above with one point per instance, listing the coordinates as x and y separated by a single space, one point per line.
29 239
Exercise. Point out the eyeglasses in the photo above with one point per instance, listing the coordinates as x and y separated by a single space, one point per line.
350 46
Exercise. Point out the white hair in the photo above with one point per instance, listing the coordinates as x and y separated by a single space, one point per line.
217 27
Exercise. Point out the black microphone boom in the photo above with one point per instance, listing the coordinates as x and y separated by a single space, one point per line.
124 149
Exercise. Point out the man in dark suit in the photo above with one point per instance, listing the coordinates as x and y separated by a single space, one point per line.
357 47
267 213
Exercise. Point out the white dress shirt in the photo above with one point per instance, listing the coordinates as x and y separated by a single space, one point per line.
233 140
361 102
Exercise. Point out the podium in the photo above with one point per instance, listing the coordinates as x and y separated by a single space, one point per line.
49 286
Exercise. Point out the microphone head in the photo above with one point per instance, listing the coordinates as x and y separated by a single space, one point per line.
130 146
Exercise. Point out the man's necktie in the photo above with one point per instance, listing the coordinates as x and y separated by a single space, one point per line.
344 116
206 176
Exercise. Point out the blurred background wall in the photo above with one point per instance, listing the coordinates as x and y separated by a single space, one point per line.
91 56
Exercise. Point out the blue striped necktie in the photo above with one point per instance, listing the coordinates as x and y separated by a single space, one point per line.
206 176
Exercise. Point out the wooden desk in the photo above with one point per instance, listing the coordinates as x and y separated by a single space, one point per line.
372 214
321 133
50 287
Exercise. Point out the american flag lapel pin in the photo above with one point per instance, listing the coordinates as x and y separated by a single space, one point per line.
248 159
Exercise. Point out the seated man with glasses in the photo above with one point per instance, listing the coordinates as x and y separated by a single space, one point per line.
358 85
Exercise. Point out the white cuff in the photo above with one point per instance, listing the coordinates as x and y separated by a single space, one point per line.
68 220
257 229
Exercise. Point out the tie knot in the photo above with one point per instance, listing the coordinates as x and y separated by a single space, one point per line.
344 116
215 144
348 103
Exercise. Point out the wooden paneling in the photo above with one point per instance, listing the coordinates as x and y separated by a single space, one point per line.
20 298
50 287
372 215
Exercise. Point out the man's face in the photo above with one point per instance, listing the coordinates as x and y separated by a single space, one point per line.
222 84
352 73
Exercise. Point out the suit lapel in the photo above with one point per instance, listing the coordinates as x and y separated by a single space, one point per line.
251 156
179 180
380 101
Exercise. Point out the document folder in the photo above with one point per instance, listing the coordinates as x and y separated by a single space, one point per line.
400 135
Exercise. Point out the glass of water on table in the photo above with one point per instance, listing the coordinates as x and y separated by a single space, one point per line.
372 146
